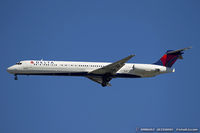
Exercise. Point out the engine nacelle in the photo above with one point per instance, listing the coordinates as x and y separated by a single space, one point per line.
148 70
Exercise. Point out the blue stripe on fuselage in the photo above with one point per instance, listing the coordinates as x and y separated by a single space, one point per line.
118 75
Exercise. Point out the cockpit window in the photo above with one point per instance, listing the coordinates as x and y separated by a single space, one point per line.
18 63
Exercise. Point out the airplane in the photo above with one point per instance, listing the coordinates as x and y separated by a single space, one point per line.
100 72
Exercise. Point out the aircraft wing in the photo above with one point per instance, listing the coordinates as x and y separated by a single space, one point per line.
107 71
113 67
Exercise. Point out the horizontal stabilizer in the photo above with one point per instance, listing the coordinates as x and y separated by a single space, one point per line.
178 51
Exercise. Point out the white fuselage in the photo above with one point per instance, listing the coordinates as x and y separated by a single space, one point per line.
70 68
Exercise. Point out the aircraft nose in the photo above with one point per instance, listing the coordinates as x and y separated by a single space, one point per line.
10 69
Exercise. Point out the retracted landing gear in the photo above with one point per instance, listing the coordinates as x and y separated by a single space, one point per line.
16 77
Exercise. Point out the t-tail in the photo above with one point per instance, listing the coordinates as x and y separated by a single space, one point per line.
170 57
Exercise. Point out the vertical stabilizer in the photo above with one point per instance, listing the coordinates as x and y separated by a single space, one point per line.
170 57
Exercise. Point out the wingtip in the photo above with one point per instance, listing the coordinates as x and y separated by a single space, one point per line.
132 55
188 48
